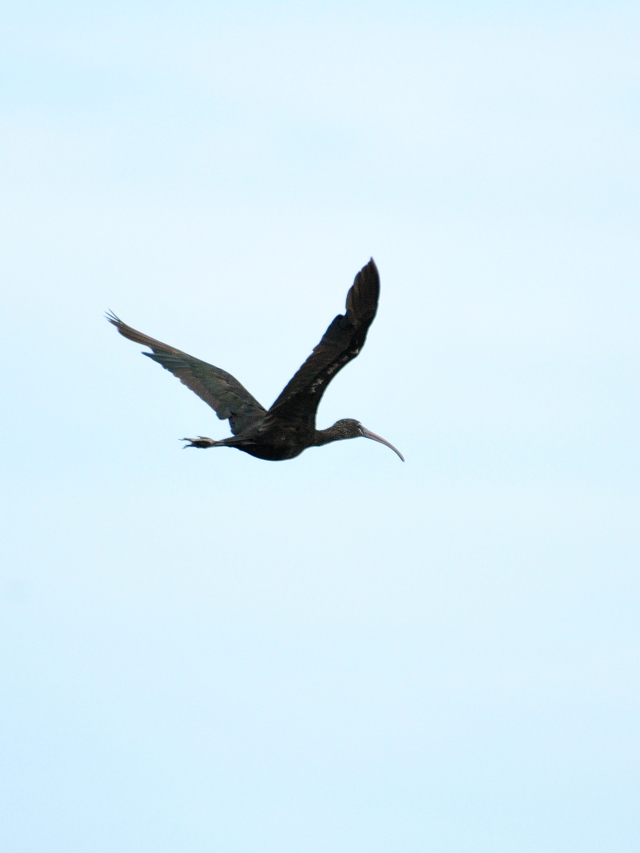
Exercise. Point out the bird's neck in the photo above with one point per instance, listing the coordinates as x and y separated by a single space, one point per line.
325 436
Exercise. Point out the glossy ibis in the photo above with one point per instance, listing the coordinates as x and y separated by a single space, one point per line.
289 426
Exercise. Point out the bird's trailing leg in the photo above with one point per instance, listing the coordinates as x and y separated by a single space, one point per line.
200 441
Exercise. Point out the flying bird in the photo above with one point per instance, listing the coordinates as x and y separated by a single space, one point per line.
289 426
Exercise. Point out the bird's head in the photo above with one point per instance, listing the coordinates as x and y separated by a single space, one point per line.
351 428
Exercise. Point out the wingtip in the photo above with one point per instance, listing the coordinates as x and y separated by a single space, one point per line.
112 317
371 267
362 298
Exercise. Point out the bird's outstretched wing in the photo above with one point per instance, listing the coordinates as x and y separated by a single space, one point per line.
222 391
342 342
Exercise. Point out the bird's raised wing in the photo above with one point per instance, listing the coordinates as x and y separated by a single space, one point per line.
222 391
342 341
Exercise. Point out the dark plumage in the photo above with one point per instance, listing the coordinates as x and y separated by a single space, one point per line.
289 426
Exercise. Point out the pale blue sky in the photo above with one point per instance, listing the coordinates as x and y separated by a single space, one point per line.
206 652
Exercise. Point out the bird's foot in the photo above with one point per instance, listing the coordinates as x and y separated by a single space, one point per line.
200 441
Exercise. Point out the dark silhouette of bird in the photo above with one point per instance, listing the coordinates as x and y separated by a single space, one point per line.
289 426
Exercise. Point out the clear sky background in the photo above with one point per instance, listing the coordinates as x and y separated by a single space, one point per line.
206 652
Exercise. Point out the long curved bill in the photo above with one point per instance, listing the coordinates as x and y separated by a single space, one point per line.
368 434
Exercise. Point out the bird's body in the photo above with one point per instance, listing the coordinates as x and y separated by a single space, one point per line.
289 426
276 439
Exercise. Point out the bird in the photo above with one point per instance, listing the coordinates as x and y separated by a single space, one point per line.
289 426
